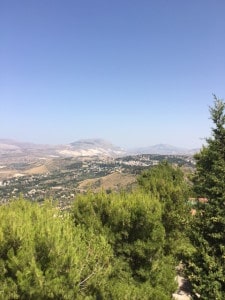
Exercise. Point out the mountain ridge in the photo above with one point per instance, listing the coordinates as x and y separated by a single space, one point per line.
165 149
89 147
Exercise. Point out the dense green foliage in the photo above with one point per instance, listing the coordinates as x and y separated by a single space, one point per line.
206 268
44 256
132 223
170 187
108 246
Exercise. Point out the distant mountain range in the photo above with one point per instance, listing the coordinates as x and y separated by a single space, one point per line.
85 147
165 149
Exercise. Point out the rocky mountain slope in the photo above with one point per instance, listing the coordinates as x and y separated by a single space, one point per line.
89 147
92 147
81 148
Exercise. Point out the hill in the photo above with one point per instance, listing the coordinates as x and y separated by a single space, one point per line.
115 182
164 149
92 147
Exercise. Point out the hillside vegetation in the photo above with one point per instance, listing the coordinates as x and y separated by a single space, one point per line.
123 245
108 246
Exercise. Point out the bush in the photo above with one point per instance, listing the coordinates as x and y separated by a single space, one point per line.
132 224
44 256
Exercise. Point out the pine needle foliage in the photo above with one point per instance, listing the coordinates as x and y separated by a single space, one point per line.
167 183
108 246
44 256
206 268
132 224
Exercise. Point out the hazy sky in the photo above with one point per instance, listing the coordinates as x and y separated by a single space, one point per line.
134 72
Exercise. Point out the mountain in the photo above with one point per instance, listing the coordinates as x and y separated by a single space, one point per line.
92 147
88 147
12 144
5 146
164 149
11 148
82 148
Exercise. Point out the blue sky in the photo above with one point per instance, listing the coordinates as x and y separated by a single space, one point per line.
136 73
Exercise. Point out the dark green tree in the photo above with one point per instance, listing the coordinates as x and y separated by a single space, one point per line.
206 268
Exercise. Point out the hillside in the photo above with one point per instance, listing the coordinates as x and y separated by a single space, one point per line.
92 147
19 151
164 149
63 177
112 182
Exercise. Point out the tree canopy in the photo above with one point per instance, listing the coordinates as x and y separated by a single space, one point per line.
168 184
44 256
106 246
206 268
132 224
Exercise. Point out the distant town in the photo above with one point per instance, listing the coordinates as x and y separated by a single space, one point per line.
61 178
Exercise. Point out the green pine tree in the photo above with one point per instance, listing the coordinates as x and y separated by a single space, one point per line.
132 224
168 184
44 256
206 268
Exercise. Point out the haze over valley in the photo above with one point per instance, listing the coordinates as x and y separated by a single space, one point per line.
62 171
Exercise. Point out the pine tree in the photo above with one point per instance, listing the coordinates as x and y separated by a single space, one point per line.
206 268
132 224
167 183
44 256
